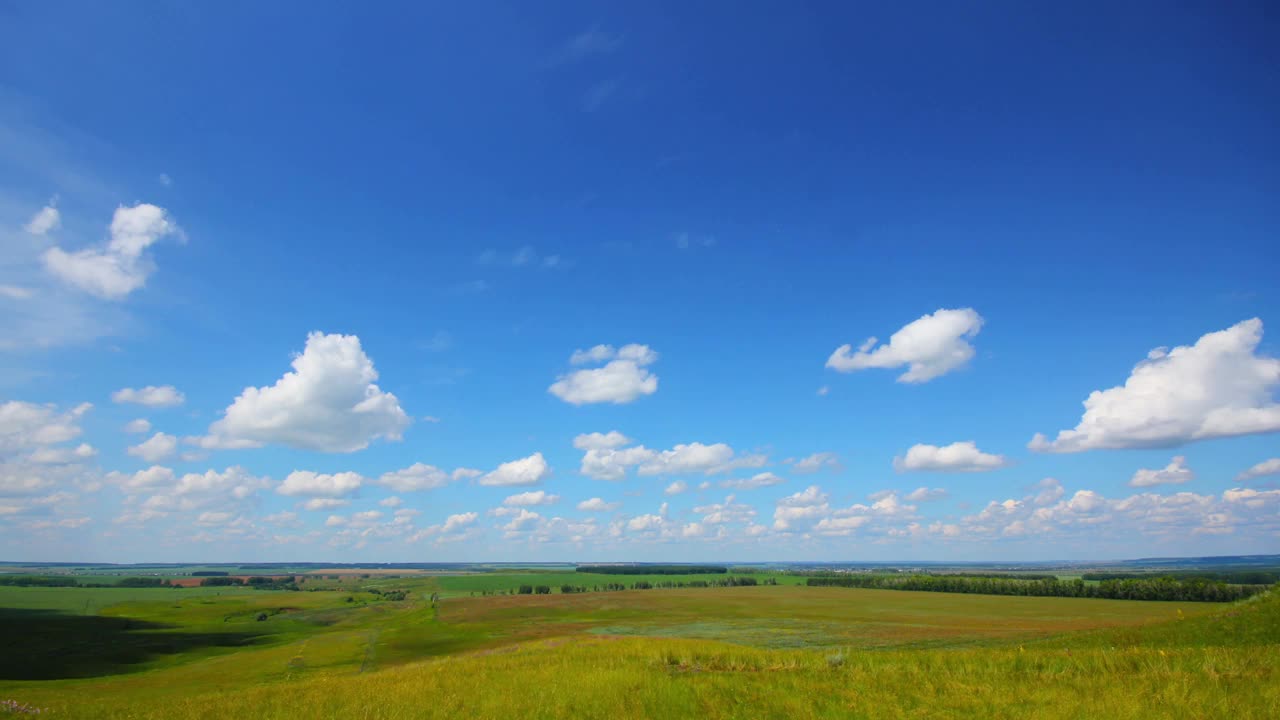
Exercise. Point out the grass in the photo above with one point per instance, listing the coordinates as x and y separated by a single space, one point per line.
741 652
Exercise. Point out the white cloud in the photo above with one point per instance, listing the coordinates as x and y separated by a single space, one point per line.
525 471
141 425
44 221
25 426
824 390
310 484
390 502
1262 469
601 441
418 476
1175 473
676 488
610 463
122 265
151 396
62 455
806 506
620 381
924 494
688 458
726 512
466 474
759 480
1218 387
453 523
156 448
930 346
816 462
328 403
596 504
956 457
13 292
528 499
229 490
319 504
524 520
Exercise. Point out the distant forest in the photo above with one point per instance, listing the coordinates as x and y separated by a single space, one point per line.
653 569
1152 588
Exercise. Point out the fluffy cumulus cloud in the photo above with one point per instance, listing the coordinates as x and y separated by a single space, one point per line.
328 403
601 441
676 488
45 221
421 476
1175 473
924 494
596 504
815 462
156 448
623 378
759 480
531 498
930 347
610 462
525 471
1262 469
1218 387
157 493
305 483
137 427
956 457
158 396
27 426
122 265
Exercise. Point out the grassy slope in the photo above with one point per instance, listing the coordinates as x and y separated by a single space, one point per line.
532 657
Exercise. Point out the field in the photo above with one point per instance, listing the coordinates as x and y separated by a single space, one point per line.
721 652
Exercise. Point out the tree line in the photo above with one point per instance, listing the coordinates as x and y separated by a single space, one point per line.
1237 577
567 589
1156 588
653 569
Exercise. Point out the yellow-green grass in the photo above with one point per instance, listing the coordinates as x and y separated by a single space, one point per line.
662 653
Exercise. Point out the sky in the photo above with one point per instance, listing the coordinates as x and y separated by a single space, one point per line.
651 282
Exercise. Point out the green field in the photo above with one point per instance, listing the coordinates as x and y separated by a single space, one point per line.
765 651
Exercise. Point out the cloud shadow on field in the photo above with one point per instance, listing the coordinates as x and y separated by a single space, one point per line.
50 645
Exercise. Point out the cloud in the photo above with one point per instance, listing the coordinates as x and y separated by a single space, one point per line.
25 426
418 476
601 441
155 448
524 256
62 455
808 505
319 504
46 220
454 523
528 499
623 379
582 46
824 390
141 425
816 462
931 346
611 463
956 457
525 471
390 502
230 490
466 474
759 480
328 403
151 396
676 488
1218 387
596 504
1262 469
309 484
924 494
122 265
1175 473
165 180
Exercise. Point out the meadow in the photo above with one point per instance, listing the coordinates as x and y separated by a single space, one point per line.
783 650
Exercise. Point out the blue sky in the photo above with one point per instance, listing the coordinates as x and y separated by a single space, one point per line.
428 211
